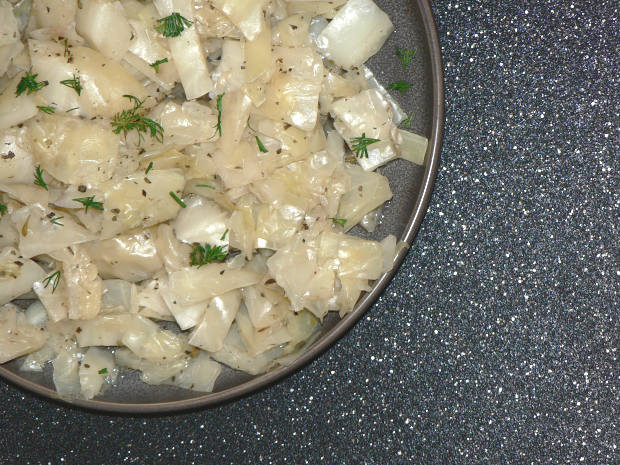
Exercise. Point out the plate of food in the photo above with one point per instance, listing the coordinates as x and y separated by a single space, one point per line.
197 197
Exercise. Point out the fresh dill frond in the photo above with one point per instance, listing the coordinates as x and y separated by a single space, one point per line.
89 202
156 64
218 126
407 122
128 120
340 221
224 235
71 109
405 55
261 146
177 199
3 209
29 84
103 371
38 178
206 185
66 47
48 109
207 254
54 279
149 168
173 25
360 145
400 86
56 220
74 84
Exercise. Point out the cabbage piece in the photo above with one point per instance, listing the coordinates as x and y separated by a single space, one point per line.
259 64
16 164
38 235
66 369
187 315
55 301
247 15
229 76
211 22
276 225
73 150
96 19
109 330
190 123
203 283
132 257
84 286
96 370
9 54
412 147
17 336
54 13
325 9
150 372
265 307
13 109
261 341
173 252
292 31
119 296
235 355
187 52
235 113
9 29
17 274
140 201
293 93
199 375
202 221
36 314
357 32
294 142
104 82
150 302
26 193
218 317
368 191
367 114
242 227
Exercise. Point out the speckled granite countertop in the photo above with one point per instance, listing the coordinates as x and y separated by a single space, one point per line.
497 342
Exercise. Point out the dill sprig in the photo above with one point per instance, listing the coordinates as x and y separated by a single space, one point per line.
407 122
29 84
47 109
360 145
157 63
149 168
128 120
89 202
3 209
55 220
400 86
103 371
38 178
405 55
340 221
224 235
173 25
206 185
207 254
54 279
74 84
218 126
177 199
66 47
261 146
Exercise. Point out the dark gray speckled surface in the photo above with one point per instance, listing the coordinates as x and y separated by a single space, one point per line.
497 342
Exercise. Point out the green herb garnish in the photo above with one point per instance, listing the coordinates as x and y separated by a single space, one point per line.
29 84
38 178
407 122
218 126
405 56
224 235
54 278
74 84
173 25
177 200
157 63
128 120
360 145
66 47
261 146
340 221
103 371
89 202
3 209
207 254
55 220
400 86
71 109
149 168
206 185
49 109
